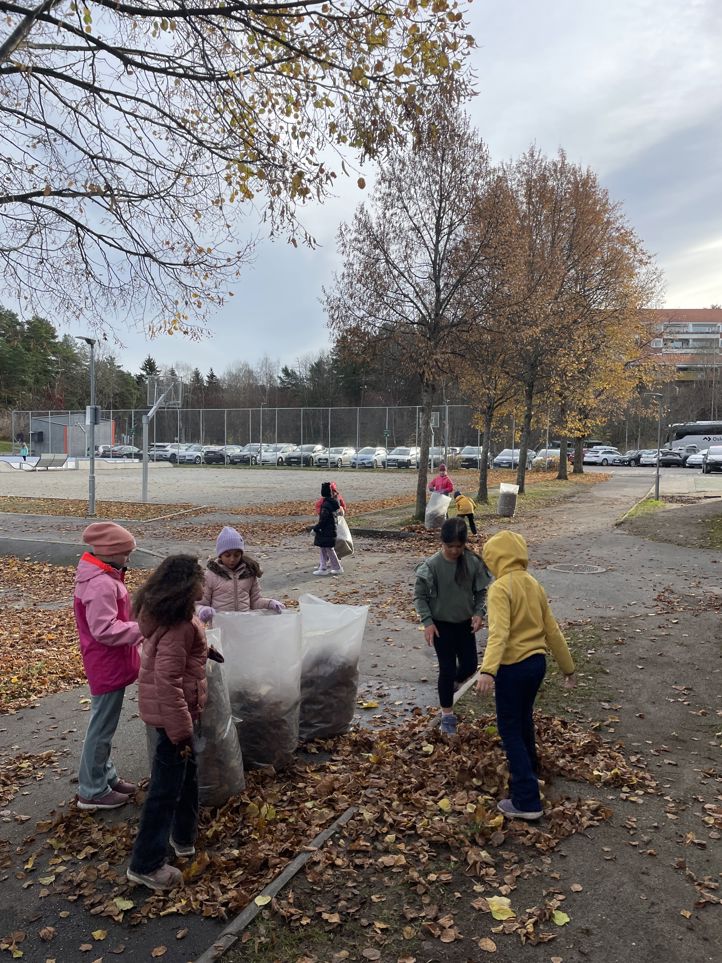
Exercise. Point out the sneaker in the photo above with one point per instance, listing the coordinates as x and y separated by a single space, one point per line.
321 571
165 877
448 723
110 800
127 788
507 808
336 571
180 850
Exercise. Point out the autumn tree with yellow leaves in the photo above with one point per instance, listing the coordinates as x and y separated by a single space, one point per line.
133 131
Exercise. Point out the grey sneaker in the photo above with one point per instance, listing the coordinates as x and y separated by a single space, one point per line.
163 878
448 723
180 850
507 808
109 800
321 571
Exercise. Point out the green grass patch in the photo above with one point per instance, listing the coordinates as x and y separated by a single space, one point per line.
714 532
6 448
646 507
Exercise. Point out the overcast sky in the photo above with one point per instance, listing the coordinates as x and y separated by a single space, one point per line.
632 88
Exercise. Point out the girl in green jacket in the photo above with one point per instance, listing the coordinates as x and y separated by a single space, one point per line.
450 599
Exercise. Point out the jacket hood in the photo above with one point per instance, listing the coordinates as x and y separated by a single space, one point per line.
505 552
90 567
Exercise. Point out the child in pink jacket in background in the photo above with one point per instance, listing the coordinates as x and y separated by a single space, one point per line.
231 582
110 645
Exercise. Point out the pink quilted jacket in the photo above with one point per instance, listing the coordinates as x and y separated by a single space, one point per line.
228 590
109 638
172 685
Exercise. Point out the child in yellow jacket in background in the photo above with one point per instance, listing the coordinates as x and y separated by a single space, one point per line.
465 508
521 630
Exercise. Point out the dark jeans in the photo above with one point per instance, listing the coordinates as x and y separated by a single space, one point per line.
171 807
516 689
472 523
456 651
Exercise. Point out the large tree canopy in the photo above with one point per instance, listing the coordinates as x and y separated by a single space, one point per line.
130 130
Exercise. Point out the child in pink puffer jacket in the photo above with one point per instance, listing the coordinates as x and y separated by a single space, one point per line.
231 582
110 645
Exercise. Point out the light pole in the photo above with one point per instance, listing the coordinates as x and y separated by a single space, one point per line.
91 420
260 430
659 397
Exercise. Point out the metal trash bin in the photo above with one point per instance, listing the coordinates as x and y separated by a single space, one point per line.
506 505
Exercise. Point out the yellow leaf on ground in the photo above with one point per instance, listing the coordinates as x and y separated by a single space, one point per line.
123 904
500 907
99 934
262 900
560 918
444 805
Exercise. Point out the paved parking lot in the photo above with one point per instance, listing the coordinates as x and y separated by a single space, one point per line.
229 487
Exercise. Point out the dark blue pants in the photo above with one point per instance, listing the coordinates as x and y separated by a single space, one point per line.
456 651
516 689
171 807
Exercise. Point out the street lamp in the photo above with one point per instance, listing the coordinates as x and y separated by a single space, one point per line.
91 420
260 447
659 397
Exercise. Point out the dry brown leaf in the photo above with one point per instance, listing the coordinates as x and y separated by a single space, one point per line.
158 951
487 944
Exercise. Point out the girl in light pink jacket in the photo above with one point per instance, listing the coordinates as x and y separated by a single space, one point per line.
231 582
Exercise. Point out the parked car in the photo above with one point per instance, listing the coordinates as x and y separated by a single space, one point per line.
159 451
403 458
509 458
712 460
124 451
604 455
436 455
671 459
174 451
102 451
247 455
696 460
648 457
190 455
686 451
219 454
334 457
546 458
276 454
470 457
304 456
629 458
369 457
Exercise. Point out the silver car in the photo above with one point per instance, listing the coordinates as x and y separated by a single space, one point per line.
403 458
335 457
191 455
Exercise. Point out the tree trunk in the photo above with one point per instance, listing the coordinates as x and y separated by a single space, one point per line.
578 456
525 432
427 403
562 474
483 493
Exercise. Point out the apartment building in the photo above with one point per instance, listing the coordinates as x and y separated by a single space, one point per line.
687 339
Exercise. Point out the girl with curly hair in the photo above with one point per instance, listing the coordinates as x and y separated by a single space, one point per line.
171 698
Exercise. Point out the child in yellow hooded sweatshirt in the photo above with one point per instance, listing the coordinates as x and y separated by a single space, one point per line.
521 631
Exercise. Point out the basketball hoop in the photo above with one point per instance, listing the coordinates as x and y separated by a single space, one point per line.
164 392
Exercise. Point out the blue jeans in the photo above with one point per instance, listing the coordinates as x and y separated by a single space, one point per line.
516 689
171 807
96 773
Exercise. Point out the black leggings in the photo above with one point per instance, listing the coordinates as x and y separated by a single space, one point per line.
456 651
472 523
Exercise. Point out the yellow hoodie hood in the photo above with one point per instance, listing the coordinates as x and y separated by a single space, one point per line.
505 552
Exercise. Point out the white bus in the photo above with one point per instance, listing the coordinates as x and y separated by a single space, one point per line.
699 433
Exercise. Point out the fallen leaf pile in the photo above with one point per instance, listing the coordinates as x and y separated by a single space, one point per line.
38 654
78 507
22 769
419 797
29 581
254 533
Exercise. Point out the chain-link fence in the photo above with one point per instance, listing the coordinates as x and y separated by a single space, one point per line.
65 431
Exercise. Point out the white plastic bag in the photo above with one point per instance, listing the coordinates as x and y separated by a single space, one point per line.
344 541
436 510
215 740
332 636
220 762
263 671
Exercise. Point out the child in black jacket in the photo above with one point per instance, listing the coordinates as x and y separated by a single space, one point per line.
325 533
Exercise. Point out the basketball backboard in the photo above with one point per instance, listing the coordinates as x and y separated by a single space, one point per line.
164 391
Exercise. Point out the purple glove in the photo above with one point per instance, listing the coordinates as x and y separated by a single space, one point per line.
206 613
276 606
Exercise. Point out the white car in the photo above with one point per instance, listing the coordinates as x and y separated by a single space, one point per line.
546 458
601 456
191 455
696 460
276 454
712 460
649 457
403 458
335 457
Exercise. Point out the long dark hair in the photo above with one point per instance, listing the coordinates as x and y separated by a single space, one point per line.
454 530
168 596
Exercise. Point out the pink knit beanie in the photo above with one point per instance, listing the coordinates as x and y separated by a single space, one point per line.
229 541
107 538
